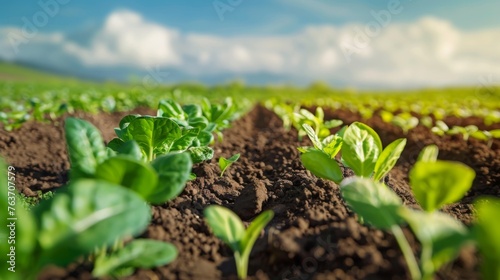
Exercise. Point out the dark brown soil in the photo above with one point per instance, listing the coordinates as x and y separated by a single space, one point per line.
312 236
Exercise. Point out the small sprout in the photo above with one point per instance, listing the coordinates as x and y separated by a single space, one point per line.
361 151
225 163
229 228
429 154
379 206
330 145
386 116
466 131
316 122
426 121
487 136
440 129
438 183
441 236
405 121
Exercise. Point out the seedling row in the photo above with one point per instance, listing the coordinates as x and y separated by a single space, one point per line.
151 160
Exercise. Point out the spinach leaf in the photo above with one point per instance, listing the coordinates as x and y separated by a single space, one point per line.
85 147
86 215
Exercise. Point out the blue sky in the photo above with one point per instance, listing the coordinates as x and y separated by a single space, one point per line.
254 16
77 26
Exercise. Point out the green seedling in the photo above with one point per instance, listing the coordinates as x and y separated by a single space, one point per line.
426 121
440 236
14 120
315 121
437 183
466 131
188 116
229 228
160 135
386 116
440 129
157 182
225 163
139 253
219 116
379 206
284 111
85 147
429 154
361 151
492 117
486 232
405 121
487 136
85 215
330 145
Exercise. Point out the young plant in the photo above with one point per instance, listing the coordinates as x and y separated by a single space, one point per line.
386 116
316 121
466 131
426 121
330 145
225 163
436 183
429 154
487 136
440 235
440 129
361 151
85 147
219 116
284 111
85 215
379 206
405 121
158 181
160 135
229 228
188 116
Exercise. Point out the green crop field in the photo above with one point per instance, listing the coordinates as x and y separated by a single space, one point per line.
423 161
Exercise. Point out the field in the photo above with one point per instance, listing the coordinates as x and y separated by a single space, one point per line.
314 234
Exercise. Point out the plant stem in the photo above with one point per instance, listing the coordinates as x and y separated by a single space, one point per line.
150 155
407 252
425 260
241 265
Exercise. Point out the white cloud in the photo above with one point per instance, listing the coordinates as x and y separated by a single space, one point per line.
428 52
126 38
